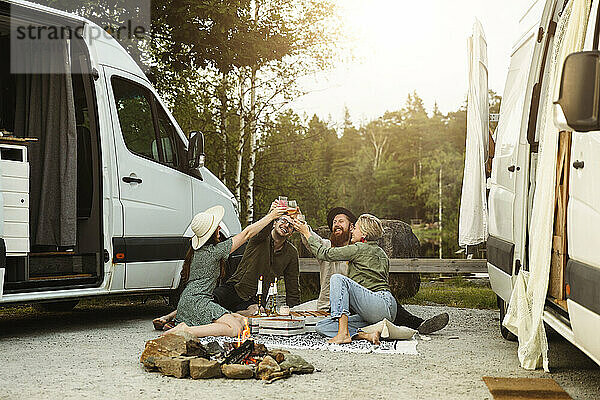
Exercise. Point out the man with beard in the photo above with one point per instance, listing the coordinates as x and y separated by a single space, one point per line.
341 224
268 254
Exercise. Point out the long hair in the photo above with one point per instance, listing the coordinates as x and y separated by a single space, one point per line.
185 270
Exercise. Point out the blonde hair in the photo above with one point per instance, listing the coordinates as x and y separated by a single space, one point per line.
370 226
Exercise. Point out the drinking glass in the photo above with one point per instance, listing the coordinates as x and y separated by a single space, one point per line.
283 201
292 208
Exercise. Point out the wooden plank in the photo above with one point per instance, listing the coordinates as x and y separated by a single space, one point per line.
49 278
561 303
420 265
558 261
16 140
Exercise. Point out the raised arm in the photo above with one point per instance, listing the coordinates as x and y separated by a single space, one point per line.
320 250
313 233
275 212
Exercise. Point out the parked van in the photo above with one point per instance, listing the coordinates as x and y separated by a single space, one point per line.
572 304
98 183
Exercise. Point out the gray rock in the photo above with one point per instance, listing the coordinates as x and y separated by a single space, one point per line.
237 371
203 369
398 241
150 363
267 367
173 345
297 364
179 367
215 349
278 355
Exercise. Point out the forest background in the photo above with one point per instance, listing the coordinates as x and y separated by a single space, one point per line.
231 70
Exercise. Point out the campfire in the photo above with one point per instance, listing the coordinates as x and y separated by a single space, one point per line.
182 355
244 335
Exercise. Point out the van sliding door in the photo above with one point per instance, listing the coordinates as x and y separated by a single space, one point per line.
155 195
509 180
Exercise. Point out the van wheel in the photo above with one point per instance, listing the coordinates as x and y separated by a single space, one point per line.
506 334
58 306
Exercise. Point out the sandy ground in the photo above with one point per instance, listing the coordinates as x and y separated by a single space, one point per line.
93 353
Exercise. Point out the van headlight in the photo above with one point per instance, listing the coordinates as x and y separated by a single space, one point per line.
236 206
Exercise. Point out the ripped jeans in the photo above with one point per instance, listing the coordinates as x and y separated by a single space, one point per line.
369 307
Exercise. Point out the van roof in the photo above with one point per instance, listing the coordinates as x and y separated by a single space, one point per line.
104 50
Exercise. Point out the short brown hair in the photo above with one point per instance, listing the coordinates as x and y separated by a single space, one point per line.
371 226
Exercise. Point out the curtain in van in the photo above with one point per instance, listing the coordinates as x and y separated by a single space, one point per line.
527 301
45 109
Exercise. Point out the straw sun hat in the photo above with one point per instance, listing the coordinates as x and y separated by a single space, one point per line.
204 225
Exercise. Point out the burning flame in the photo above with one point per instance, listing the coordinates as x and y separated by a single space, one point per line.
244 335
250 360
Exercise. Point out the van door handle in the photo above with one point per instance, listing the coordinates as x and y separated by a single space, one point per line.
513 167
577 164
131 179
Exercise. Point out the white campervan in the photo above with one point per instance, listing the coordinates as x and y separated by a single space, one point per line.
98 183
555 233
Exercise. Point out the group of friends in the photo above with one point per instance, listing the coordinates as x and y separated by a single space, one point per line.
354 276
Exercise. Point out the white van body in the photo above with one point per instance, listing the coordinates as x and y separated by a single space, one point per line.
143 224
512 185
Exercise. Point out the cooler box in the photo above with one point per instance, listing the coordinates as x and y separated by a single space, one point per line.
14 199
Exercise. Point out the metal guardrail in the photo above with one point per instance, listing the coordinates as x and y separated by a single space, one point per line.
420 265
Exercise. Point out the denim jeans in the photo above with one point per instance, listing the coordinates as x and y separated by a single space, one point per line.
368 307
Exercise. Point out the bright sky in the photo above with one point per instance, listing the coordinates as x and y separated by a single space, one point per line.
402 46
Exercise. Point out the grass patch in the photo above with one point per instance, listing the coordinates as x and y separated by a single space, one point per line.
455 292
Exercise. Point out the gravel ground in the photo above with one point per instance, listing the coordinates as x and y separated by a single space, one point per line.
94 353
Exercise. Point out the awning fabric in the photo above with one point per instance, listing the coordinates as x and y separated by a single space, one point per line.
473 222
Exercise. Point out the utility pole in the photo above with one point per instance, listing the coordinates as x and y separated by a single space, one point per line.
440 212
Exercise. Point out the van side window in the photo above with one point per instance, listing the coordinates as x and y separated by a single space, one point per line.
168 135
134 107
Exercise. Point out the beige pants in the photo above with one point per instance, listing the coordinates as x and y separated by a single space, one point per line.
326 270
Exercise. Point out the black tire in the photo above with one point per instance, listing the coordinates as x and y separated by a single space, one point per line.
506 334
59 306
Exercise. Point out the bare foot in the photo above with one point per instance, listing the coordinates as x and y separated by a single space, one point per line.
371 337
339 339
159 323
181 327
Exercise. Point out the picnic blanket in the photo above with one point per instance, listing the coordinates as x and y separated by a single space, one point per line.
314 341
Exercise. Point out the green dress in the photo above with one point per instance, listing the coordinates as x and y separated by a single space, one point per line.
195 305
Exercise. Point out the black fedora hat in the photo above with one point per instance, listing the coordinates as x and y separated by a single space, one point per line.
339 210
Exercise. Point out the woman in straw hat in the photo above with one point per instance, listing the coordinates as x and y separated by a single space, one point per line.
365 290
196 312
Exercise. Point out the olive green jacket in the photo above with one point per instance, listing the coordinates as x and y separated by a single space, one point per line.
368 265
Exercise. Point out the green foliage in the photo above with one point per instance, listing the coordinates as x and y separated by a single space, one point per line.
389 167
228 68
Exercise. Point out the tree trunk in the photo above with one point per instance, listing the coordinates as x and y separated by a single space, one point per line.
240 144
253 139
252 132
223 129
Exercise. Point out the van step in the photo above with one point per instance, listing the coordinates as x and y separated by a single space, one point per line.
47 278
54 253
52 284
